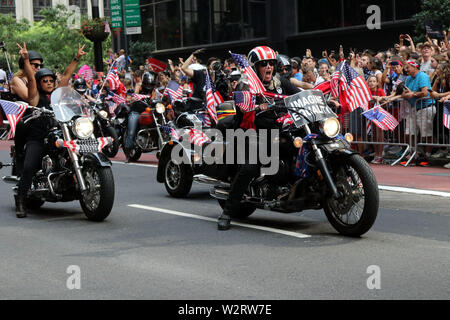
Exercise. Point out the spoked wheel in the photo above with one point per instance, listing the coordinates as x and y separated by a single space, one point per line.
111 150
177 179
98 200
245 210
354 213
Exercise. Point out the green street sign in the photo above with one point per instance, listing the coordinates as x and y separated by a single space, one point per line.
116 14
132 17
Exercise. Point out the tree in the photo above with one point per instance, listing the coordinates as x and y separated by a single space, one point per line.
438 10
140 52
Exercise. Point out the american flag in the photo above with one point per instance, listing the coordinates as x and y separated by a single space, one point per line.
255 85
286 120
213 98
197 137
350 87
447 114
173 90
245 100
325 87
14 112
140 97
171 132
204 118
116 98
381 118
113 78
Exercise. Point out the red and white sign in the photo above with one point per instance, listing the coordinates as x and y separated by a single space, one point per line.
157 66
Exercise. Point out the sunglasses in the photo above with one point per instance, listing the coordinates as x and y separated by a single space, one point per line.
37 65
268 62
48 80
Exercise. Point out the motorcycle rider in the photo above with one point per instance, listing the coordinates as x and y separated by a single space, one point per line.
80 86
264 61
41 85
136 108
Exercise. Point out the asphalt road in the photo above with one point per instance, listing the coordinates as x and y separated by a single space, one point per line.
148 249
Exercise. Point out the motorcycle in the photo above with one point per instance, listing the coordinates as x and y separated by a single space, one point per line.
317 170
73 167
149 137
103 128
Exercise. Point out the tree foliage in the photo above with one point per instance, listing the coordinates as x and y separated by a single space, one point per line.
438 10
51 37
140 51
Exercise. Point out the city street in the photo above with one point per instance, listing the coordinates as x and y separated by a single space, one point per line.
156 247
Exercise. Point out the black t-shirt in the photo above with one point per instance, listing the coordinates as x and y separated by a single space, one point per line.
38 128
199 81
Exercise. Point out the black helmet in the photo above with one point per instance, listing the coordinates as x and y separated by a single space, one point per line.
44 73
33 56
282 62
80 85
149 80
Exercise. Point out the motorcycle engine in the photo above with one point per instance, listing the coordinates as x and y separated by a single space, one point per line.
144 140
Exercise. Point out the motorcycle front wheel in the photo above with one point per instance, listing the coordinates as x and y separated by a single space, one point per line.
178 179
111 150
98 200
356 211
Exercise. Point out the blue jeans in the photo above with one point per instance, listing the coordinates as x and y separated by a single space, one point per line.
133 121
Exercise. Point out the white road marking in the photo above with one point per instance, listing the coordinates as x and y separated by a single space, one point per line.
415 191
194 216
136 164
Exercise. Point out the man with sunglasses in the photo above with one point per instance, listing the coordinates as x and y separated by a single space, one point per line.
41 84
264 62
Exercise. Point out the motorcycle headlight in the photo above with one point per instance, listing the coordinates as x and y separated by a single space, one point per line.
160 108
103 114
83 128
331 127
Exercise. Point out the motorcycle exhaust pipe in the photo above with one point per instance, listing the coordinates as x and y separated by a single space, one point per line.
11 179
200 178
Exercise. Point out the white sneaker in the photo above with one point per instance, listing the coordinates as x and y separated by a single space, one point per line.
447 166
438 155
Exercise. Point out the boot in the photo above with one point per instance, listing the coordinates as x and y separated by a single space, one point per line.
20 206
224 222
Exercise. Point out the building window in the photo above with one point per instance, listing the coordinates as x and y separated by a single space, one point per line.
227 19
148 27
406 9
8 7
196 22
318 15
38 5
168 25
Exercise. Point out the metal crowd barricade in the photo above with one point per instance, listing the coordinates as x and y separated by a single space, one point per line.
366 133
417 128
429 126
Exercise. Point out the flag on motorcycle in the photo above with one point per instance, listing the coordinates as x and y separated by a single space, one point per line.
173 90
171 132
205 118
381 118
14 112
213 98
350 87
116 98
245 100
140 97
286 120
447 114
197 137
255 85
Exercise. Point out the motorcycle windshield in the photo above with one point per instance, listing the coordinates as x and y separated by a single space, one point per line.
67 104
308 106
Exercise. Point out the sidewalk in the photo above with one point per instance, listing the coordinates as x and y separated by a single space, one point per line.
419 178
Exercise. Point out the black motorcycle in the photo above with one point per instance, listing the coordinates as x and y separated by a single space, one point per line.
317 170
149 136
103 127
73 167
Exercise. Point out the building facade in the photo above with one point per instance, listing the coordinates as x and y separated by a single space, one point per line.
29 9
177 27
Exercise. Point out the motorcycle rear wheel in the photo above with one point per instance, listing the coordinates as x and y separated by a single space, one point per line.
98 200
132 154
355 180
